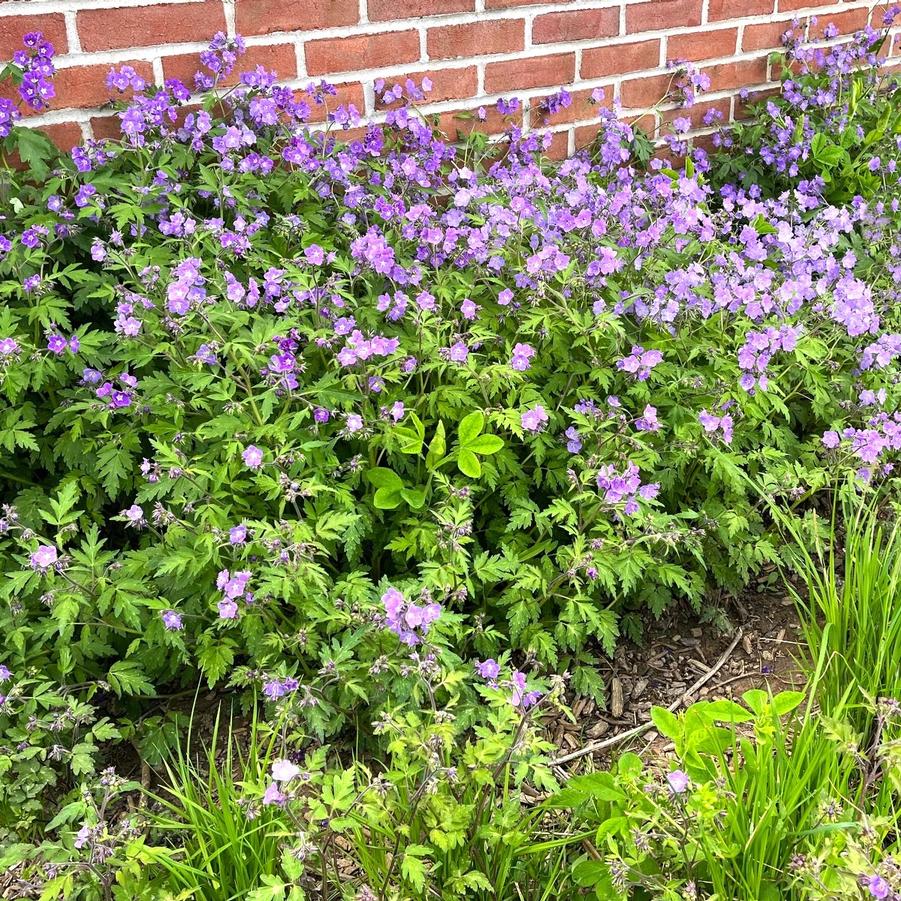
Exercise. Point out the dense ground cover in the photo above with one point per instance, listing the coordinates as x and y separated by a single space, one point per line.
384 433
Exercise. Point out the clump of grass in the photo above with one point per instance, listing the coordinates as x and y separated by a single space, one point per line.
850 604
223 847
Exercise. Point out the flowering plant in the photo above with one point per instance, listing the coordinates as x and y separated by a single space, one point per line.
835 122
757 802
260 378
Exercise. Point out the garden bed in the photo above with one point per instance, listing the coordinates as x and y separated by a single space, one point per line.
430 482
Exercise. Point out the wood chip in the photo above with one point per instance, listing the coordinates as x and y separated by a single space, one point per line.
616 698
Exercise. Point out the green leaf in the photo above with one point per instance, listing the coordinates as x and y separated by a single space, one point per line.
411 439
273 889
413 870
387 498
727 711
34 149
486 445
469 464
215 659
380 477
415 497
470 427
667 723
437 448
786 701
127 678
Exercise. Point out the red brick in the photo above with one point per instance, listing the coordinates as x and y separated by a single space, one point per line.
765 36
696 113
580 109
661 14
558 149
787 5
348 93
447 84
507 4
382 10
741 74
267 16
462 122
878 12
83 87
735 9
476 38
599 62
142 26
754 97
536 72
575 25
65 135
585 135
642 93
846 22
12 29
106 127
702 44
280 57
362 51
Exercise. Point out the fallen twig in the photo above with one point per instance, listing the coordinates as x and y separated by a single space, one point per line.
638 730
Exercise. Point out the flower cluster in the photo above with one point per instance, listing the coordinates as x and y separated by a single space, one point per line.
409 621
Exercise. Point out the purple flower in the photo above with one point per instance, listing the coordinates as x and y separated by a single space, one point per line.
252 457
489 669
314 254
134 516
712 424
519 697
535 419
458 353
274 689
648 421
228 609
172 621
237 534
878 887
640 362
44 557
678 782
321 415
284 771
5 674
274 795
410 622
522 356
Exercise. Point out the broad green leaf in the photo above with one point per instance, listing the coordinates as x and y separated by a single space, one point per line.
388 498
415 497
380 477
470 427
486 445
667 723
726 711
469 464
786 701
437 448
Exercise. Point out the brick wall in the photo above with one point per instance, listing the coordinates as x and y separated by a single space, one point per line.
474 50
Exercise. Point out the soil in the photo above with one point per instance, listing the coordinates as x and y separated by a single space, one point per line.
675 654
